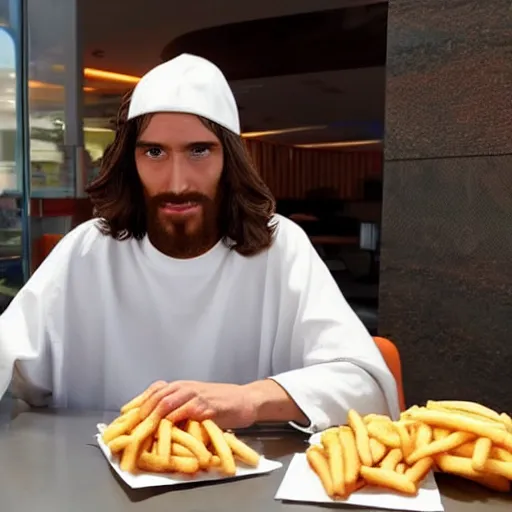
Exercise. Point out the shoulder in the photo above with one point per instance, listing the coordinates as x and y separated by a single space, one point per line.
288 234
66 257
82 238
291 243
82 244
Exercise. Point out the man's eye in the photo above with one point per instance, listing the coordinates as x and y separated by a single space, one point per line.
154 153
200 151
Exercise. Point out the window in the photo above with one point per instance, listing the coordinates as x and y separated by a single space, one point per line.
12 220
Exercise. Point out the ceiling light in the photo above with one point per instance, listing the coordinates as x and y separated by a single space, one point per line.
97 129
110 76
36 84
250 135
101 74
345 144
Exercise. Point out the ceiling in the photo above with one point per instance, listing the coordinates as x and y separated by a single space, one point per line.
133 33
340 105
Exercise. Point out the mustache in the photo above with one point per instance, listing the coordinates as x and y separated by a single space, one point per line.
191 197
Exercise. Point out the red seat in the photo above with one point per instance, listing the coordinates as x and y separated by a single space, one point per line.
392 357
43 246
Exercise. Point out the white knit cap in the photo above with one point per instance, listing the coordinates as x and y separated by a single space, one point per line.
187 84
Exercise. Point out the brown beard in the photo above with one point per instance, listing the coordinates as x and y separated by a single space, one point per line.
178 242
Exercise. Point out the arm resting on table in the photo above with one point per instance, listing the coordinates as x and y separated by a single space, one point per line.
325 393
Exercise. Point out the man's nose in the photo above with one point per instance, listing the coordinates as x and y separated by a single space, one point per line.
177 176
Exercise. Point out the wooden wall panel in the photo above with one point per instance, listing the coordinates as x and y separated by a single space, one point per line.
290 172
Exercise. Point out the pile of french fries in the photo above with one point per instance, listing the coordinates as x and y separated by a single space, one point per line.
155 445
456 437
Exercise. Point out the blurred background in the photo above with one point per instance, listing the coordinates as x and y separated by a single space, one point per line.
308 76
320 84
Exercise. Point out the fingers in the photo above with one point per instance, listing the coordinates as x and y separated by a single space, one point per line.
154 400
196 409
172 402
140 399
176 402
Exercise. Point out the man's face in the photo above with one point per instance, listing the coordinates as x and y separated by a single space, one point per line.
180 162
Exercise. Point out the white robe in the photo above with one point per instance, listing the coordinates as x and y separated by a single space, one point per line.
101 319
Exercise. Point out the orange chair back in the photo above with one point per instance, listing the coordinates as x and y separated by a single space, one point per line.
392 357
43 247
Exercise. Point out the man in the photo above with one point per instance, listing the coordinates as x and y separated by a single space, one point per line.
187 278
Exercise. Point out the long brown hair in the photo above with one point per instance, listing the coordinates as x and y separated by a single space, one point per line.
247 205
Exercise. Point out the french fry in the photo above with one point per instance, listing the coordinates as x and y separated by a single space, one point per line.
401 468
362 439
467 449
152 443
501 454
319 448
464 450
164 439
424 435
147 445
413 432
494 422
129 456
351 462
507 421
320 466
195 429
221 446
119 443
369 418
460 466
440 446
332 444
121 426
155 464
463 467
243 452
481 453
389 479
419 470
407 444
139 434
461 438
403 452
470 407
378 450
178 450
498 467
461 423
384 432
355 487
391 460
440 433
194 445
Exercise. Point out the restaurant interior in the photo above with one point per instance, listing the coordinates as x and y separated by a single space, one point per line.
422 256
313 119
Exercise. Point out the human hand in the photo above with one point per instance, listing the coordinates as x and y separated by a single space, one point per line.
229 405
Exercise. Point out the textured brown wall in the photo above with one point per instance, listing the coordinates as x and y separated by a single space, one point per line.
446 270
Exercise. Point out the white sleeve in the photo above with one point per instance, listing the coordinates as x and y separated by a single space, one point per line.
334 364
25 350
